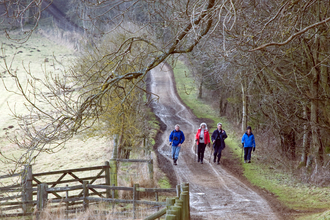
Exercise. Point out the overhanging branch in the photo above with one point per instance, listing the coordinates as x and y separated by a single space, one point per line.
292 36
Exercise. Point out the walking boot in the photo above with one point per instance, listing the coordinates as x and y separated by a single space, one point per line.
201 161
214 159
198 160
175 162
245 161
249 161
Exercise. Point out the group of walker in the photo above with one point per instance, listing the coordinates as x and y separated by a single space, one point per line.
202 140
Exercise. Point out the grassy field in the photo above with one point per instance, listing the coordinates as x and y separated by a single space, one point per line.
37 56
290 192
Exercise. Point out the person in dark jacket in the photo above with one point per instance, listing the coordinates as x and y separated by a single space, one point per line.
202 139
218 139
176 140
249 144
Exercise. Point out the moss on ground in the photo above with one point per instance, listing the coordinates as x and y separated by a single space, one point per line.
164 183
289 191
320 216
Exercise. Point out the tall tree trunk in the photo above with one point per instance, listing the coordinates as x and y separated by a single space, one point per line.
323 83
121 139
220 106
244 106
314 114
200 91
304 145
316 145
115 147
288 142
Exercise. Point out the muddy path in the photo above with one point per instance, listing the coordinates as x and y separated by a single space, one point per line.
214 192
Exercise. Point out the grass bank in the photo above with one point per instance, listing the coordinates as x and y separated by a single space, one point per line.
290 192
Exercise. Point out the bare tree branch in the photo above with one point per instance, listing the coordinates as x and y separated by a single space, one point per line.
292 36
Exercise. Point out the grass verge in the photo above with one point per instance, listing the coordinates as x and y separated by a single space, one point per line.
161 178
290 192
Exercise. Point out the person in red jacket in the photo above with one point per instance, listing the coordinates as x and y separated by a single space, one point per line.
202 139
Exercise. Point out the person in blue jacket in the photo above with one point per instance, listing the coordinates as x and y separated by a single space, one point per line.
176 140
249 144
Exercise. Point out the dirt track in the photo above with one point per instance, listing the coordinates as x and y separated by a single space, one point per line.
214 193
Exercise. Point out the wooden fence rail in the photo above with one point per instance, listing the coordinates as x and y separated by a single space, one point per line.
10 175
43 192
22 197
176 208
37 189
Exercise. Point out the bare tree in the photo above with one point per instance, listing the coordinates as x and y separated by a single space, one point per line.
280 49
106 81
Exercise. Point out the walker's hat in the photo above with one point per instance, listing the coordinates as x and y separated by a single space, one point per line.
202 125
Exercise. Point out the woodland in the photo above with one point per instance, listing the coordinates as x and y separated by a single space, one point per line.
265 61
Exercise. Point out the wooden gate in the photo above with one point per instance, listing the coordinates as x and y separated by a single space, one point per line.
25 198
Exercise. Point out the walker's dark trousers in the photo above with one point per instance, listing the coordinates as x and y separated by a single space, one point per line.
200 151
247 153
217 153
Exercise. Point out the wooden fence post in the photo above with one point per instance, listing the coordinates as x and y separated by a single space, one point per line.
172 212
145 147
67 203
170 217
113 164
27 193
113 196
175 212
42 196
151 169
185 206
156 195
137 186
85 194
113 174
134 198
178 202
178 211
169 202
185 188
107 178
178 191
